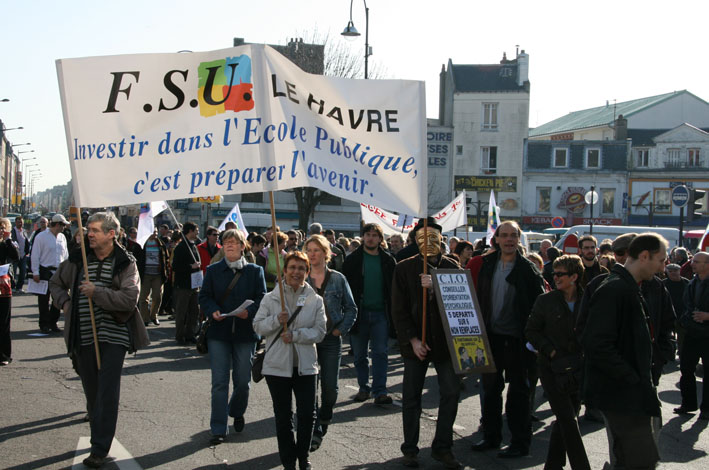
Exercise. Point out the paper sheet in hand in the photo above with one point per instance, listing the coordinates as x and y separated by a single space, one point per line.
247 303
37 287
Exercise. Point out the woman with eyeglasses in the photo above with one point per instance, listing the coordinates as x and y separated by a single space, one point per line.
550 329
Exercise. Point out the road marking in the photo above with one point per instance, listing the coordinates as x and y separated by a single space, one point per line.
118 455
398 403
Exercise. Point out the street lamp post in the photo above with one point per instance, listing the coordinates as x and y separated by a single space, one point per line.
351 32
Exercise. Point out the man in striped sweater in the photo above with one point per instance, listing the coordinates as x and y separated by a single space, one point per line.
113 286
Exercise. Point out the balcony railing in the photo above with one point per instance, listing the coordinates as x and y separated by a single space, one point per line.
681 164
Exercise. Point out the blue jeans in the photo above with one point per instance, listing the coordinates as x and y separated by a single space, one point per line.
222 355
329 355
373 332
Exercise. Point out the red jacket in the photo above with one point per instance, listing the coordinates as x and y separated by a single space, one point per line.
204 255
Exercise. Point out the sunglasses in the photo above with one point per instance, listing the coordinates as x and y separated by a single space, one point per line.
559 273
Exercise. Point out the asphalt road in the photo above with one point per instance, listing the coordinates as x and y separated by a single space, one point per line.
165 404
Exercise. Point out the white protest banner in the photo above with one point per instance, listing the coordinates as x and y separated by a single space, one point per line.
493 217
152 127
449 218
234 215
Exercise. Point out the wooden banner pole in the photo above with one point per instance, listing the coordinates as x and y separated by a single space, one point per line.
86 277
274 247
425 271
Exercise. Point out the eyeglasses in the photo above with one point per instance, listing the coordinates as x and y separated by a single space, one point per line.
559 273
619 252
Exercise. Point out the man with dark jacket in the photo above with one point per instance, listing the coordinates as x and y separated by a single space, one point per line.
618 347
695 320
185 265
369 271
407 313
113 288
508 284
591 266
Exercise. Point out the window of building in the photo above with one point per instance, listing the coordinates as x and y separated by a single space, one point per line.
673 158
642 158
561 157
459 150
662 201
489 160
608 201
693 157
489 116
543 200
252 197
593 158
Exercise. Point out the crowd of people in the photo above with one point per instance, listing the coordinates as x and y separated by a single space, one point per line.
595 328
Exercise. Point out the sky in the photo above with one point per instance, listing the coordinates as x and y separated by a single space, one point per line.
581 54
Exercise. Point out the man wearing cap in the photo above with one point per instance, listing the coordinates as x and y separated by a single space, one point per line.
49 249
407 313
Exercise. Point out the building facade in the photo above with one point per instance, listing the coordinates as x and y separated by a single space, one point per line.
487 106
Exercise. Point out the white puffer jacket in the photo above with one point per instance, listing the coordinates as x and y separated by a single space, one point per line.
308 329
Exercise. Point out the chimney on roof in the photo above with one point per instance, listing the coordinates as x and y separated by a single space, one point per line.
621 128
522 68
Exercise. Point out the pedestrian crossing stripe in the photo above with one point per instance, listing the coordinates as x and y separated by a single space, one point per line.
118 455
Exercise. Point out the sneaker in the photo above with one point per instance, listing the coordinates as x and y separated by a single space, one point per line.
447 459
45 330
155 321
94 461
361 396
410 460
239 424
383 400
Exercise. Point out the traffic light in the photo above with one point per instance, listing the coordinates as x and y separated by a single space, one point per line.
695 204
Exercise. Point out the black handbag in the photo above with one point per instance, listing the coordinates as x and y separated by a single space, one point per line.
257 364
201 342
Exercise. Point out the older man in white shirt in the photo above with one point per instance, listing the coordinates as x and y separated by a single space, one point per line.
49 249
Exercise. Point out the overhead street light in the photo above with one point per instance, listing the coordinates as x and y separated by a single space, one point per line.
351 32
4 100
13 129
17 145
25 151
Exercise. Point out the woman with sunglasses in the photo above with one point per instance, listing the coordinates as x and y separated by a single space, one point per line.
550 329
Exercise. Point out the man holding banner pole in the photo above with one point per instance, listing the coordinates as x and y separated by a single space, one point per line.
113 285
421 346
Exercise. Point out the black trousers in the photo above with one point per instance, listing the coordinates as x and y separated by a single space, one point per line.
282 390
448 392
512 358
565 435
102 389
693 349
633 441
48 313
5 340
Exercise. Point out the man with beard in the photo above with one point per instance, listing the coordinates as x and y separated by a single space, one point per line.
587 248
407 313
508 285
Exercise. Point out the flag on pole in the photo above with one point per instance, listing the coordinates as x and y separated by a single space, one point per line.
146 224
493 218
234 216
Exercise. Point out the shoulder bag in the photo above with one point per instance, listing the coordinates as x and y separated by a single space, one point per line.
257 365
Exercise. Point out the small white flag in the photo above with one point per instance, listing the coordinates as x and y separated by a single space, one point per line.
493 218
403 220
146 224
234 216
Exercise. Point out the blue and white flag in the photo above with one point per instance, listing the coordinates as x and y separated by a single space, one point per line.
146 224
403 220
234 216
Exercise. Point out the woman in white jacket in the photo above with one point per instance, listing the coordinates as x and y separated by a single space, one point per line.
290 365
